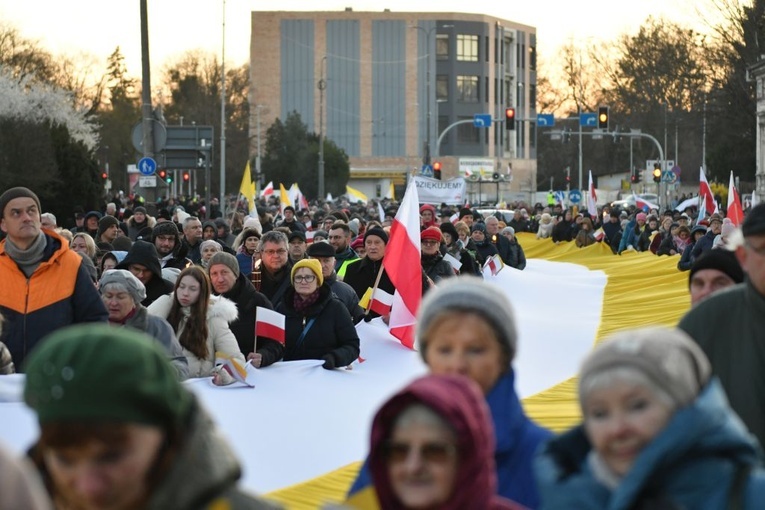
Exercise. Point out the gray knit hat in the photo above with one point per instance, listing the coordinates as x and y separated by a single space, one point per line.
668 357
227 260
17 192
127 279
473 295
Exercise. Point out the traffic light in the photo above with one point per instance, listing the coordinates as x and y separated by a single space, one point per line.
509 119
165 176
656 173
437 170
566 136
603 117
104 175
568 176
186 177
636 176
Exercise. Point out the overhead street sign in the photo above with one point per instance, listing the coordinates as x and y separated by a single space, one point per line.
147 166
545 119
588 119
482 120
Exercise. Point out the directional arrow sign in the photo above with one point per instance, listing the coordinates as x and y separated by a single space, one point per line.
545 119
588 120
482 120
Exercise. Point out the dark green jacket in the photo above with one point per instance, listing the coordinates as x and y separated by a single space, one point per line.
730 328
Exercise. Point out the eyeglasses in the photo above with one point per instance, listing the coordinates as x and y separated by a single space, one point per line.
271 253
436 453
429 242
307 278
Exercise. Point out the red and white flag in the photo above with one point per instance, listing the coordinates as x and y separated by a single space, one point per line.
643 204
495 264
381 302
309 236
402 263
454 218
269 324
707 204
268 190
592 199
735 212
599 234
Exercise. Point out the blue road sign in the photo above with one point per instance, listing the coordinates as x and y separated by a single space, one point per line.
588 120
482 120
545 119
574 196
426 171
147 166
560 196
668 176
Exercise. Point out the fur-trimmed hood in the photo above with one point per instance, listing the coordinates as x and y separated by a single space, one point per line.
218 307
150 222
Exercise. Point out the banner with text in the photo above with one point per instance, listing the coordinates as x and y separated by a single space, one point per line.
433 191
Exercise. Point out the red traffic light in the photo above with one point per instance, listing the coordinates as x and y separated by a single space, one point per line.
186 176
104 175
162 174
437 166
509 119
509 113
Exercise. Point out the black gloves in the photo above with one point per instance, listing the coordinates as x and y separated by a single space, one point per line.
329 361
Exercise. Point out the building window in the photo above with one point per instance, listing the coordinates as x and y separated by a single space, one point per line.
442 46
467 48
467 89
443 123
533 58
442 87
467 133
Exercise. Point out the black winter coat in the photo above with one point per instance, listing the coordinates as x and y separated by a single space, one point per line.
328 329
247 299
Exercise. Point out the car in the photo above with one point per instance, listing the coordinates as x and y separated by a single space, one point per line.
502 214
652 198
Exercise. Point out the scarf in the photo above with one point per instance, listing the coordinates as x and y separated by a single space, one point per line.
301 305
125 318
28 260
603 474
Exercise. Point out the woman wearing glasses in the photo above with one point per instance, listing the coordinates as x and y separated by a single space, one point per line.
432 446
317 324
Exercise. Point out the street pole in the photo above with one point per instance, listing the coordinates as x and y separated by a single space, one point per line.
146 117
322 86
258 176
580 151
222 198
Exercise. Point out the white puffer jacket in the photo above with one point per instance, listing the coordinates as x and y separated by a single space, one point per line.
220 313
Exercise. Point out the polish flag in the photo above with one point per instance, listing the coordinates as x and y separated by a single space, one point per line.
643 204
303 201
268 190
707 204
592 199
269 324
309 236
494 264
454 218
599 234
402 263
735 212
381 302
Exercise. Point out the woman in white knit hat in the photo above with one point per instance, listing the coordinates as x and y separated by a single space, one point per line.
657 433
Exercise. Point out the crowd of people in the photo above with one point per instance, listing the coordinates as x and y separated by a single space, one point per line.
150 295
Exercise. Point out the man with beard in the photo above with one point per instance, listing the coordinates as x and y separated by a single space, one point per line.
275 265
340 239
228 282
167 241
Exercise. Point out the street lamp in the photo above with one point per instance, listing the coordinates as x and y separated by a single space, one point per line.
428 32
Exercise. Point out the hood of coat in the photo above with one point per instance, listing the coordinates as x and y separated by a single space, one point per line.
205 466
145 254
219 307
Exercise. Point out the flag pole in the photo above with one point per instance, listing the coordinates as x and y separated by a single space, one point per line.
377 283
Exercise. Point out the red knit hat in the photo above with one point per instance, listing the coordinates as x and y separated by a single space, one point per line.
433 233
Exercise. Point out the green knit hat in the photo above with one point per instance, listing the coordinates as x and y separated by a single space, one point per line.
100 373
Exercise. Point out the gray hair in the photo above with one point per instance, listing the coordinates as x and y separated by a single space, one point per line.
49 216
509 230
421 414
123 280
188 220
275 237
